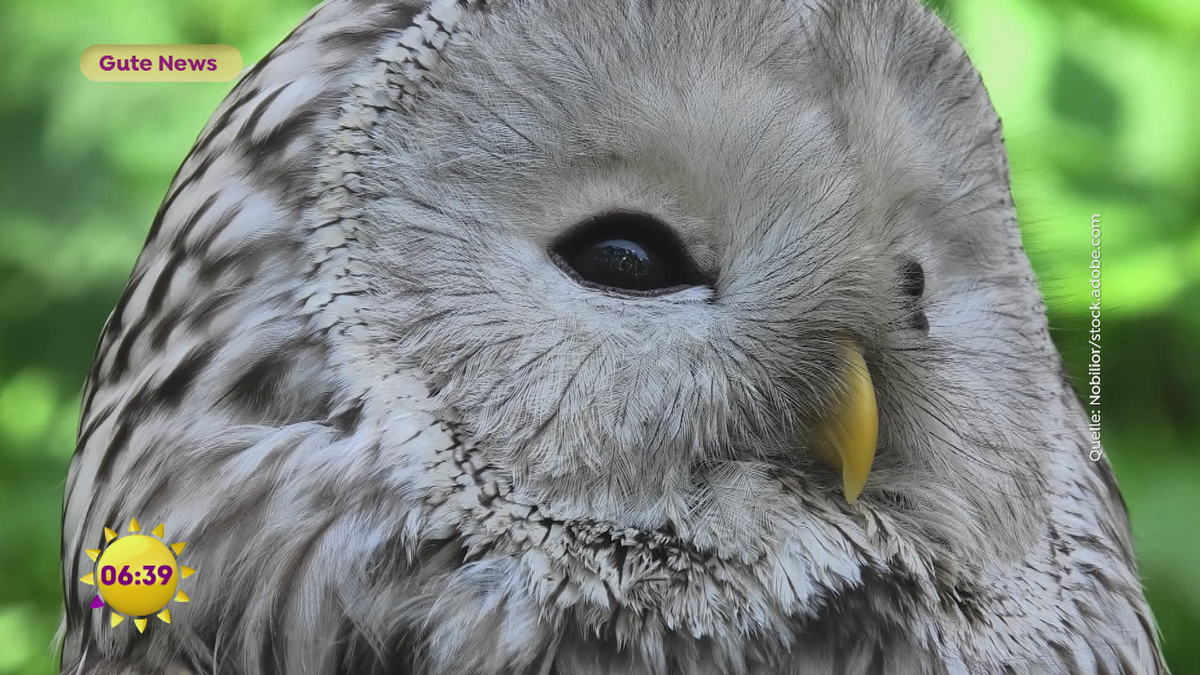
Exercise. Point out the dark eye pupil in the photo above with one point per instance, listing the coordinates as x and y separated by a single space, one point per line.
619 263
626 251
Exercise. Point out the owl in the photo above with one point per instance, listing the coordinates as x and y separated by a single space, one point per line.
582 337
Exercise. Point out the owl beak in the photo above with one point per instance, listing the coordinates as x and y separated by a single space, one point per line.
847 437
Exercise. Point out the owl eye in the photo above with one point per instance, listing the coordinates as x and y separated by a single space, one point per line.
628 252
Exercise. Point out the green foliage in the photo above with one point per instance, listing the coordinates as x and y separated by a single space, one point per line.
1099 100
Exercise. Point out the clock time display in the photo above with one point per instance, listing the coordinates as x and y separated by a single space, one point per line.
160 574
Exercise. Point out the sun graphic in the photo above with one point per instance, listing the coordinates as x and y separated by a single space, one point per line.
137 575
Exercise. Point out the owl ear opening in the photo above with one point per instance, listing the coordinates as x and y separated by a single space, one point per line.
848 435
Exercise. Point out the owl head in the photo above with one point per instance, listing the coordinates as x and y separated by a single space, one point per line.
650 256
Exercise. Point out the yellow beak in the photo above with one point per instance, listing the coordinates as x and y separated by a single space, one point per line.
847 438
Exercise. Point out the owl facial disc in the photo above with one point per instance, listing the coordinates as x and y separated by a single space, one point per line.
847 437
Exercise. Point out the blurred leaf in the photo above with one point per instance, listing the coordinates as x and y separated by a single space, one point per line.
1078 94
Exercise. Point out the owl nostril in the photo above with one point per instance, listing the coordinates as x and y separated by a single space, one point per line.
920 322
912 278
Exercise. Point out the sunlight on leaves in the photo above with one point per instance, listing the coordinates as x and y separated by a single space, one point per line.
1145 281
27 404
17 648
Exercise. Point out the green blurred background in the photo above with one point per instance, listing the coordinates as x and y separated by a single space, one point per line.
1101 104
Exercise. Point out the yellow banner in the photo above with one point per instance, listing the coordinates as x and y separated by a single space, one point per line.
161 63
